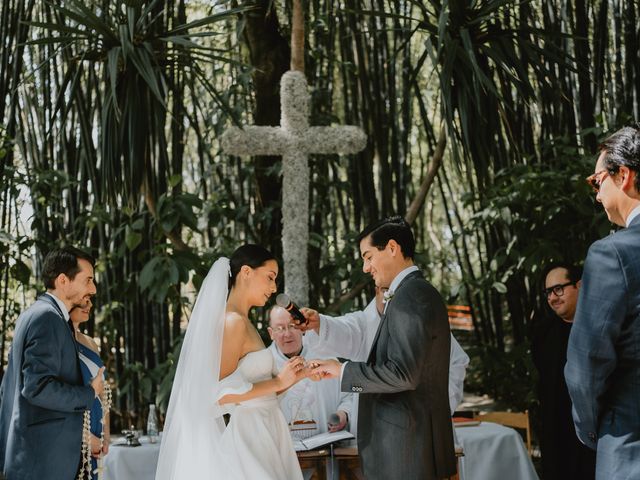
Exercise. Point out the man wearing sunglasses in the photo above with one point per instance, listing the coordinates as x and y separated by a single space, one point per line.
603 358
563 455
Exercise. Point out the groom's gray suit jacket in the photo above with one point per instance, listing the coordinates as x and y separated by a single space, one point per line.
42 398
404 421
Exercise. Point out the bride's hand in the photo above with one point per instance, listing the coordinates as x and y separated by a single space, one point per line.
293 371
310 371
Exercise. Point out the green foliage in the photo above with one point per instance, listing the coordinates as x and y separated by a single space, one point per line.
538 213
509 377
119 106
175 210
167 371
138 56
541 214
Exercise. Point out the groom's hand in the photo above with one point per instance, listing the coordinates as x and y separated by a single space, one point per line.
313 320
326 368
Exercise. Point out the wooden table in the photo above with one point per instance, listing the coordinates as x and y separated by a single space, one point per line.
345 460
348 463
315 460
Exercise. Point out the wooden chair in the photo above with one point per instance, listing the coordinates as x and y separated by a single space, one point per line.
509 419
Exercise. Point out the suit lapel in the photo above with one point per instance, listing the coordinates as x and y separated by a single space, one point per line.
45 297
384 317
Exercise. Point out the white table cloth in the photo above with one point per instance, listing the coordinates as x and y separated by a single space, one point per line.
493 452
132 463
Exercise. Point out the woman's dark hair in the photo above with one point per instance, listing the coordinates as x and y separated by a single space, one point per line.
63 260
391 228
623 148
252 255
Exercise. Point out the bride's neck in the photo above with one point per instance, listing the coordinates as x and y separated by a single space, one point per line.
237 302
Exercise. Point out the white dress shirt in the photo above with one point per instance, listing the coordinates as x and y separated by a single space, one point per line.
633 214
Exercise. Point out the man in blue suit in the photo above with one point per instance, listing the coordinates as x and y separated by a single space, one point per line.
603 358
42 397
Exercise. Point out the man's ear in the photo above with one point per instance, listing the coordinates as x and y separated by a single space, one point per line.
393 246
61 280
270 330
627 178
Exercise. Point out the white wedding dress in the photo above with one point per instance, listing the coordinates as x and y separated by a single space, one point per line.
257 444
196 445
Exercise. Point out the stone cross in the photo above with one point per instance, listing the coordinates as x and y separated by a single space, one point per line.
294 140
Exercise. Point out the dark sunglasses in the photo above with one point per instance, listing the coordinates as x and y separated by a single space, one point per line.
596 179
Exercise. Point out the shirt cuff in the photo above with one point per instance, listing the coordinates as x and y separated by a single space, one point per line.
323 331
342 371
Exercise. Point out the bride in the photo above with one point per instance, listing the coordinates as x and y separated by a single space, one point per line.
225 368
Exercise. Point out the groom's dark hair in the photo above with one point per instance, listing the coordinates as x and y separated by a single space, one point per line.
391 228
63 260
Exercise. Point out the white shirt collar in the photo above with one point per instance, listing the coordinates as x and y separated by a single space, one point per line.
63 307
396 281
634 213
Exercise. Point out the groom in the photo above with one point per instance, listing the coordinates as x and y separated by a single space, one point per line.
42 398
404 424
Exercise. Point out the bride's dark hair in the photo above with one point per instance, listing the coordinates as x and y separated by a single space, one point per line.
250 254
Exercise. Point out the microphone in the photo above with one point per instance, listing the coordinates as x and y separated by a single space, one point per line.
285 302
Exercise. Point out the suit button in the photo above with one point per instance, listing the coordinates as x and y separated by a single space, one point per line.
592 436
354 389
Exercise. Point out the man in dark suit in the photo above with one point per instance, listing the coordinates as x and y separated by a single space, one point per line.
404 422
603 359
42 397
564 457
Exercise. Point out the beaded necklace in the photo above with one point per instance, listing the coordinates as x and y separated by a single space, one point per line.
85 469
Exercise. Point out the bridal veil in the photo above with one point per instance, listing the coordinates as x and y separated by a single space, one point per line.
194 423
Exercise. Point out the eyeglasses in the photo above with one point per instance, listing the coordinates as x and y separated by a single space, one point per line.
595 180
282 328
557 289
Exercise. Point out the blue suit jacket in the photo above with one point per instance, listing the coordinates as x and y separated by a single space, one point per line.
603 358
42 398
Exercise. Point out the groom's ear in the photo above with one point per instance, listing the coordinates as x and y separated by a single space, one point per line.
394 248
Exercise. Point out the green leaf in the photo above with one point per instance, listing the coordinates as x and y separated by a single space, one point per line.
499 287
20 272
144 66
148 273
209 20
132 238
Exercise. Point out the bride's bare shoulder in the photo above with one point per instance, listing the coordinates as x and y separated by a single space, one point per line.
234 322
